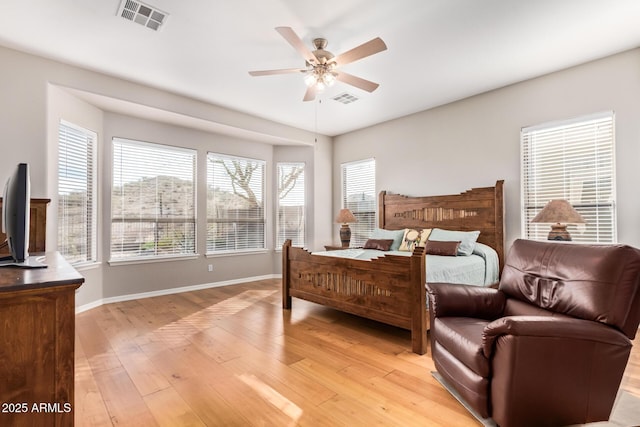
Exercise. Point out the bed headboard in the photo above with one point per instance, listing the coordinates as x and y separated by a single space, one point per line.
476 209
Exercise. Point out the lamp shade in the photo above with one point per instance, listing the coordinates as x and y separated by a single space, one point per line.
345 216
558 211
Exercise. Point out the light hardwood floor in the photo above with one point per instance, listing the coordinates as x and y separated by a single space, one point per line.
230 356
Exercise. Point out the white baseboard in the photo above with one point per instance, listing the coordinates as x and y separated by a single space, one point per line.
129 297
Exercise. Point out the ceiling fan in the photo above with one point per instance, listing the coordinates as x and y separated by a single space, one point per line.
321 68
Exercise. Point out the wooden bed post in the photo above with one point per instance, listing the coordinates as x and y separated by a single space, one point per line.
499 221
286 297
381 216
418 311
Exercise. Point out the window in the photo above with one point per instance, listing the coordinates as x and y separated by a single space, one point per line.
235 204
77 220
359 195
152 201
291 204
571 160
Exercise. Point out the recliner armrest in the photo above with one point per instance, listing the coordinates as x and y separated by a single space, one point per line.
448 299
551 327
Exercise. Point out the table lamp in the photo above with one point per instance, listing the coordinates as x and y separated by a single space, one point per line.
558 213
345 216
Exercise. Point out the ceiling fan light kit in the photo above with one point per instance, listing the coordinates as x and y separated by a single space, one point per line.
321 76
321 65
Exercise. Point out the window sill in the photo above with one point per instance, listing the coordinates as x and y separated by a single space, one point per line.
87 266
237 253
132 261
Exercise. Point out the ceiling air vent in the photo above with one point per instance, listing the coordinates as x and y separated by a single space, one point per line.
345 98
142 13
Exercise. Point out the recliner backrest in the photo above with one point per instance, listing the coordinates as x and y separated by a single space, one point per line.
592 282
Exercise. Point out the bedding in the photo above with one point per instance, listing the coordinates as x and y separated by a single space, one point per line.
480 268
412 238
395 235
379 244
433 247
467 239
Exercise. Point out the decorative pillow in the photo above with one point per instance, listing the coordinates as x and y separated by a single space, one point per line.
413 238
379 244
467 239
396 235
435 247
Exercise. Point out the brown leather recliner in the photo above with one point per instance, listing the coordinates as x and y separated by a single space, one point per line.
550 345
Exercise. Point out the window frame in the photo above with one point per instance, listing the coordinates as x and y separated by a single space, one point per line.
360 228
91 226
278 240
156 257
262 222
601 151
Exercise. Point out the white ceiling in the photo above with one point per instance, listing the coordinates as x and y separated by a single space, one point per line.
438 50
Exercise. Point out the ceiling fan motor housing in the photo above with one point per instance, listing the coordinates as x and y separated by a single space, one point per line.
323 56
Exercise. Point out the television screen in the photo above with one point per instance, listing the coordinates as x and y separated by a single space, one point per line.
15 212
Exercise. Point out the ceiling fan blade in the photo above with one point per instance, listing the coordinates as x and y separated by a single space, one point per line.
310 94
297 43
366 49
358 82
281 71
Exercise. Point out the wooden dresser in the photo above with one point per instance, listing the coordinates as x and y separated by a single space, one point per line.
37 326
37 333
37 226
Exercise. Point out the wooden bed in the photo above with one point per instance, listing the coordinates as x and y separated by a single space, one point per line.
391 289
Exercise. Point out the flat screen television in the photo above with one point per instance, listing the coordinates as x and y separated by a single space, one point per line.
16 203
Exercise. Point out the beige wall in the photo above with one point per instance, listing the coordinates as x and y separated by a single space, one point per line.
475 141
62 106
141 278
448 149
322 194
35 96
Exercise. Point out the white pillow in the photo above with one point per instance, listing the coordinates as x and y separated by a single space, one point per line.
396 235
467 239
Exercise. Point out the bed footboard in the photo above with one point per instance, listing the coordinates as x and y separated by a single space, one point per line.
389 289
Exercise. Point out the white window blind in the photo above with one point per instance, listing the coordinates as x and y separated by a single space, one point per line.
152 200
77 214
235 204
359 195
291 204
571 160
